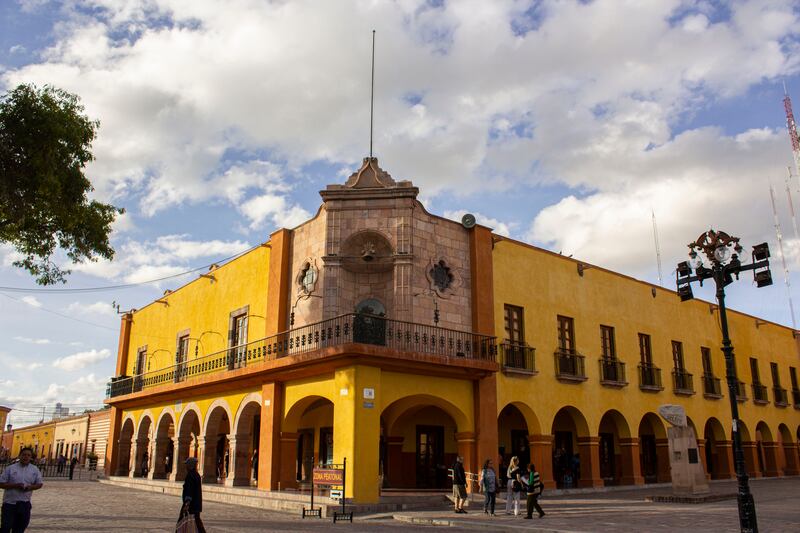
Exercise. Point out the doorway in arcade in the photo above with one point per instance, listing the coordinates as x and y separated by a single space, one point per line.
314 439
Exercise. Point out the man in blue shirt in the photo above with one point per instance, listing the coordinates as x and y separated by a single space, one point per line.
18 482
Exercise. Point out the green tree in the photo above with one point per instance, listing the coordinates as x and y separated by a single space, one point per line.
45 143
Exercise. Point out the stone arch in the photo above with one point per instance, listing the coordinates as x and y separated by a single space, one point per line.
422 432
653 449
244 443
516 426
718 452
764 432
216 444
142 456
787 451
767 450
306 436
531 420
164 449
573 448
124 446
294 413
616 465
188 430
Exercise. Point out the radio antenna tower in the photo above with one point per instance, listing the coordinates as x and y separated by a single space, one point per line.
658 248
791 204
791 126
783 257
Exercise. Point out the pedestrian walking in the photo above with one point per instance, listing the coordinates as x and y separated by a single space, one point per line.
459 485
192 495
488 484
145 463
18 482
62 461
514 487
534 489
72 464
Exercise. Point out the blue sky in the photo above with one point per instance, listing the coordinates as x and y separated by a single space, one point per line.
564 124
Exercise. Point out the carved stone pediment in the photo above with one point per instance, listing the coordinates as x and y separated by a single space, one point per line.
370 175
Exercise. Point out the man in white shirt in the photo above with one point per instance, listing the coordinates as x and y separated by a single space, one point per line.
18 482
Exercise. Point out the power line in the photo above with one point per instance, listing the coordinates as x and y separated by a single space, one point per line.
124 285
46 310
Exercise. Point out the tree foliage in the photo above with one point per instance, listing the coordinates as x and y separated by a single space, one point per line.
45 144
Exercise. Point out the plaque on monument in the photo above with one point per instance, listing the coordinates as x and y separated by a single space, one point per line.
693 459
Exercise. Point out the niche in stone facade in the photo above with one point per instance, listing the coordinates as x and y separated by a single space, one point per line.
367 252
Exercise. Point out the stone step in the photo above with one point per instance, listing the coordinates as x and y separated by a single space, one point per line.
285 501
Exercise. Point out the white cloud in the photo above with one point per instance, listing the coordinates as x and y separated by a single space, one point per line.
96 308
16 49
32 341
80 360
32 301
269 207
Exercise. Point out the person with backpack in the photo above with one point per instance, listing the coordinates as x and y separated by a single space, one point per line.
534 488
488 484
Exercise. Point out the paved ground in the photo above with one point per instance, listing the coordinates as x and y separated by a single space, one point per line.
90 506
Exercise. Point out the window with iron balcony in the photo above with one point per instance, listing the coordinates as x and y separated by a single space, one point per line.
569 364
649 374
612 370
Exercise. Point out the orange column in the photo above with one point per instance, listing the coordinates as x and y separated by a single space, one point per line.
701 450
541 447
277 312
112 456
269 442
124 343
590 462
770 459
486 439
631 467
664 474
726 468
288 463
465 444
750 451
790 452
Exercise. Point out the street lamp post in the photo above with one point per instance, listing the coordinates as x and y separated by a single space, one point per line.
723 253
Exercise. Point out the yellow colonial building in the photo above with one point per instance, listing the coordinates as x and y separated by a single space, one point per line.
397 339
39 437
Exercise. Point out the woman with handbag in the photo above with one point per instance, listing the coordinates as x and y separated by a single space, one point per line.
534 489
189 519
514 486
488 484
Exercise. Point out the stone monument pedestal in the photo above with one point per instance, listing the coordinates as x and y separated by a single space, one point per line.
688 477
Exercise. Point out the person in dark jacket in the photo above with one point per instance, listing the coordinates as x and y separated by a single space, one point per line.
459 485
193 494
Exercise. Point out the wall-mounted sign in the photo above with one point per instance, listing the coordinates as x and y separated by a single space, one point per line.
369 405
369 394
343 392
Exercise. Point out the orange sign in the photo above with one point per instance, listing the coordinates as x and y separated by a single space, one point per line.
328 476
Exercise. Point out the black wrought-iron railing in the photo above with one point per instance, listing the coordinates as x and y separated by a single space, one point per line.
796 398
612 372
570 365
760 393
359 328
741 391
781 396
517 357
649 377
682 381
712 386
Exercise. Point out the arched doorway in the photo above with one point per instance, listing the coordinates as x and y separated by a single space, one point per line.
188 441
574 451
718 452
790 459
141 466
653 450
512 429
767 450
749 450
617 465
308 438
124 448
423 439
216 444
244 443
164 450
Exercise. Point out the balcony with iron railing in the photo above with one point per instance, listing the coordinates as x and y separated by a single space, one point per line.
440 345
781 396
741 391
682 383
796 398
612 373
650 378
570 366
518 359
712 387
760 394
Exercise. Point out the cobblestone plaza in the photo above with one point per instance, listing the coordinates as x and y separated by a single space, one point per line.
91 506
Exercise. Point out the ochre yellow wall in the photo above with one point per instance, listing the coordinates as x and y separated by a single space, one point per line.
203 306
546 285
41 434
